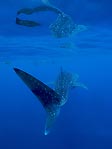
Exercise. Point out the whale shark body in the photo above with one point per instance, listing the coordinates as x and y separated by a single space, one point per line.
52 100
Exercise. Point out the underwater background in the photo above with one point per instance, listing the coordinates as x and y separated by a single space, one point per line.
85 122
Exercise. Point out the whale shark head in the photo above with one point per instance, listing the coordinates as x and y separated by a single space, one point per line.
47 96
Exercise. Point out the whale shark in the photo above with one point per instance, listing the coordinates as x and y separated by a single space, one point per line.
62 26
47 96
65 82
51 99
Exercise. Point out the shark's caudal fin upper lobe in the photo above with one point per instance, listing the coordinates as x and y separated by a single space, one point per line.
48 97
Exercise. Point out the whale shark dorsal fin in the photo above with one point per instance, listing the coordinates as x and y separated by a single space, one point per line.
47 96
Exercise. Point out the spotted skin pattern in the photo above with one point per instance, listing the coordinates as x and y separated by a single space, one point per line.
47 96
52 100
63 84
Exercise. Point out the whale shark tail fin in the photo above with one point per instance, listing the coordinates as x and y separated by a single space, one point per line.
47 96
51 118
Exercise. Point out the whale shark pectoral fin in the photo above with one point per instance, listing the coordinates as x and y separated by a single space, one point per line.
51 117
78 84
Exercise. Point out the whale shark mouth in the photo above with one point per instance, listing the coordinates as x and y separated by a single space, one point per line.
47 96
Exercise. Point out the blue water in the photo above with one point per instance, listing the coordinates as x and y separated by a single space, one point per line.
85 122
